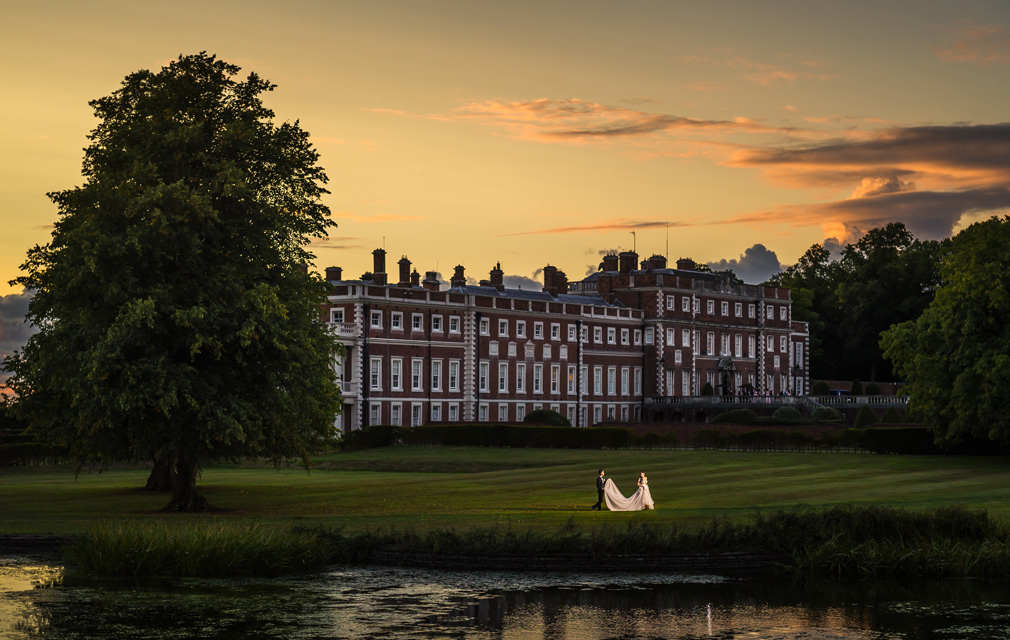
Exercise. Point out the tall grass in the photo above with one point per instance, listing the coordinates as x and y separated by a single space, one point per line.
199 550
839 542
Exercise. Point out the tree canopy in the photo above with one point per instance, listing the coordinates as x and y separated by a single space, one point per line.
177 318
956 354
884 278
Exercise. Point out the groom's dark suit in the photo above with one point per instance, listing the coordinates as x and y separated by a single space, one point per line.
600 483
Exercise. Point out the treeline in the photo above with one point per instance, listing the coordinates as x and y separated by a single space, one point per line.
885 278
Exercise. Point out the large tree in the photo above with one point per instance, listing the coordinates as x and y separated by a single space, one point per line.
955 356
886 277
177 319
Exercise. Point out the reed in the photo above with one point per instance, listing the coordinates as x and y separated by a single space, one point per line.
131 549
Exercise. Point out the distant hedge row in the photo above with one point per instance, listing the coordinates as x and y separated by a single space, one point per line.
905 440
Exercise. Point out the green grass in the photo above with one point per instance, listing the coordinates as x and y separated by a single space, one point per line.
426 488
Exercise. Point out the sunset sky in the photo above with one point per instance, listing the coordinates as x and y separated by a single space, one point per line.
534 133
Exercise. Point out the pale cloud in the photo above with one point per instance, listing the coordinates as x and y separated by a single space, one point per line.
319 140
977 44
756 264
14 331
759 72
603 225
870 187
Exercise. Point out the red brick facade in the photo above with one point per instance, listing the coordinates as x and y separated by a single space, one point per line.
595 350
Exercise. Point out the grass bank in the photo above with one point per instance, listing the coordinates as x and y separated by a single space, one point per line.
840 542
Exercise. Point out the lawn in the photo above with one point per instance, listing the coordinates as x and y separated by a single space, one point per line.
428 487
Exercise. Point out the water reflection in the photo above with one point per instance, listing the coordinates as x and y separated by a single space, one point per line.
391 603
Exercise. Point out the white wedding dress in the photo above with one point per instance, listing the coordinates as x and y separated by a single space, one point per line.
641 499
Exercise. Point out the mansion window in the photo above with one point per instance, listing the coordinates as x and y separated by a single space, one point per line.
453 324
485 327
503 328
538 330
417 322
710 307
685 304
396 321
436 324
377 319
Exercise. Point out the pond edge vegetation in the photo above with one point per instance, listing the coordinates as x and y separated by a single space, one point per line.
840 542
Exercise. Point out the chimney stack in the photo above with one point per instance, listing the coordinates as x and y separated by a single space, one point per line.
657 261
498 278
333 273
686 264
404 272
379 266
610 262
430 281
550 278
458 279
415 278
628 260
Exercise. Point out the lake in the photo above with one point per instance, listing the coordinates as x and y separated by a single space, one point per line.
38 600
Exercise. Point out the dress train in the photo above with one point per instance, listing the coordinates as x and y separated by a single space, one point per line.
641 499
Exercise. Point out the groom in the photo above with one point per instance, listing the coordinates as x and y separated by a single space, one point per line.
600 482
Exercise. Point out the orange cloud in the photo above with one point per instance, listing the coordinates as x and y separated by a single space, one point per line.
759 72
978 44
605 225
367 218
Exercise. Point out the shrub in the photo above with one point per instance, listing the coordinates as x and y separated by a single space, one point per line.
504 435
865 417
735 416
379 435
546 417
893 415
787 413
707 390
872 389
820 388
857 388
903 440
826 414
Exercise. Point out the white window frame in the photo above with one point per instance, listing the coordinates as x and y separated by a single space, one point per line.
417 322
637 377
492 348
436 324
724 308
375 373
783 344
783 313
637 337
485 326
521 378
611 381
453 415
625 336
336 315
555 331
710 307
597 335
503 377
416 414
396 374
685 337
598 381
453 324
416 374
436 411
375 413
611 335
563 352
396 321
649 335
678 357
482 412
436 375
503 412
685 304
538 378
503 328
396 414
738 309
520 328
483 372
454 375
538 330
555 378
547 352
751 311
571 333
571 379
376 320
625 381
671 301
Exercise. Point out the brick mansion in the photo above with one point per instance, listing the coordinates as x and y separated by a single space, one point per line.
614 346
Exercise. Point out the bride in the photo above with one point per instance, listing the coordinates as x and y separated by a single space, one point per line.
641 499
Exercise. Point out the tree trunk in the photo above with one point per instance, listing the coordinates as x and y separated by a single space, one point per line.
184 494
162 476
